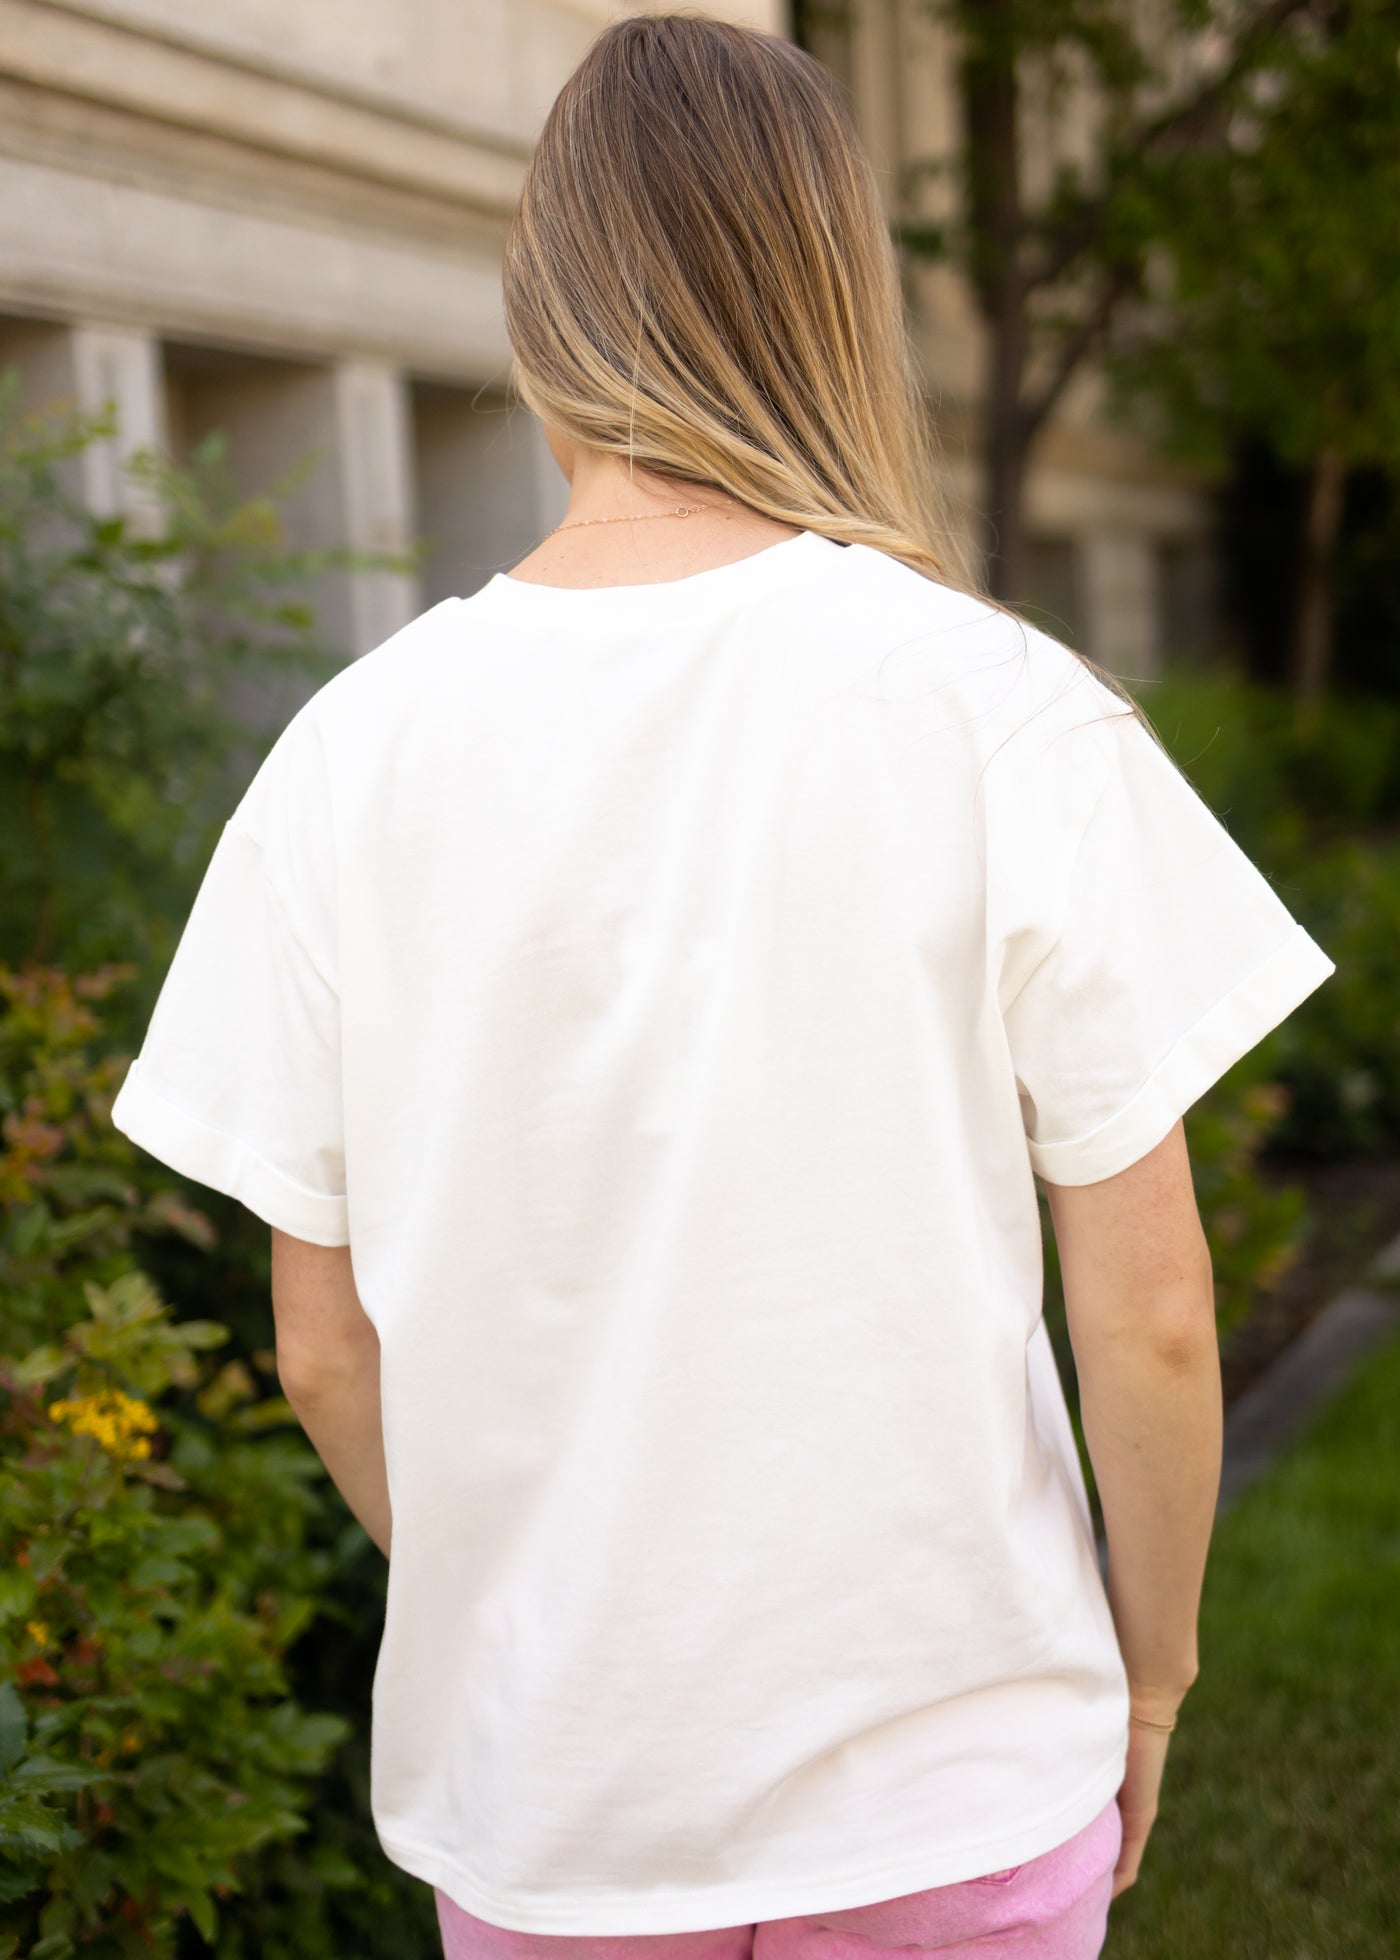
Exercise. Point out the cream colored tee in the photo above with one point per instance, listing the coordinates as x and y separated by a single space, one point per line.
668 992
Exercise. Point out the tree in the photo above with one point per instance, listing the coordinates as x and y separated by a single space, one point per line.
1051 277
1279 295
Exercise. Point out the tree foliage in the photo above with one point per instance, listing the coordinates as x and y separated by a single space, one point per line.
1223 162
1275 307
1277 277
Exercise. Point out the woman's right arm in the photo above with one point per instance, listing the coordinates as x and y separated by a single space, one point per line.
1140 1301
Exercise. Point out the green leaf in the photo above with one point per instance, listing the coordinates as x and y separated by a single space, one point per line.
317 1732
205 1915
202 1333
41 1364
17 1594
27 1227
57 1947
101 1303
93 1879
82 1225
54 1775
273 1412
157 1571
45 1556
60 1915
14 1726
15 1884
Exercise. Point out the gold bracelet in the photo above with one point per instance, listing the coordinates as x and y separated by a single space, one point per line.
1157 1728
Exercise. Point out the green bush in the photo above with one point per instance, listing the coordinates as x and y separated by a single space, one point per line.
120 644
1320 812
169 1539
1281 789
1341 1051
120 756
159 1519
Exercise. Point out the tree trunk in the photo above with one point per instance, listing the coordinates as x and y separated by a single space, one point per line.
1310 667
992 104
1006 459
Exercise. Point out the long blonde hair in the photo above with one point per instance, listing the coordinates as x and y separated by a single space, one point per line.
699 276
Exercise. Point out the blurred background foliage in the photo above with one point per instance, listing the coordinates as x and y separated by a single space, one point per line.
120 644
189 1615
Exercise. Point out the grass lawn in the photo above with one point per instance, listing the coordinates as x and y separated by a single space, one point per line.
1279 1834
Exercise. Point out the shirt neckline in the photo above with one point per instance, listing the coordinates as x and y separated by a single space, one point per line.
751 573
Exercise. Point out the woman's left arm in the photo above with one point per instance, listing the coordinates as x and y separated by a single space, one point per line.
328 1365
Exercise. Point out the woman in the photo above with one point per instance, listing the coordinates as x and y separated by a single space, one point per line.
640 997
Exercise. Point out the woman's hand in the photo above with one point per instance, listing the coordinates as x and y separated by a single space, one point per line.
1137 1799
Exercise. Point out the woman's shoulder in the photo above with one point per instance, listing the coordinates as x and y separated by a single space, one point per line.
902 607
424 637
396 669
986 661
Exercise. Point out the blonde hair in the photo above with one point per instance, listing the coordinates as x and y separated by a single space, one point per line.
699 276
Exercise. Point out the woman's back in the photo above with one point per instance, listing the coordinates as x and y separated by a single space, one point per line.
657 987
665 971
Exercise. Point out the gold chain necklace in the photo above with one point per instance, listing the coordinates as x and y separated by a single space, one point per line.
681 510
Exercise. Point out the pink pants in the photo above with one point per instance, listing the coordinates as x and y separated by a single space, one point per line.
1055 1907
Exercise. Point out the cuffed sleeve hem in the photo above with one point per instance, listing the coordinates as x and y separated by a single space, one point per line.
226 1164
1229 1030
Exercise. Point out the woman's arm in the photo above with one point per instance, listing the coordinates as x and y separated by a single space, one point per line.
328 1364
1140 1300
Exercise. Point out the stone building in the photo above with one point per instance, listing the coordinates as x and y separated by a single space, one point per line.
285 222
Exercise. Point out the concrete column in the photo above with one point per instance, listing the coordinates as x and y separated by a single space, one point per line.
487 487
119 365
373 443
877 75
1118 584
86 365
343 433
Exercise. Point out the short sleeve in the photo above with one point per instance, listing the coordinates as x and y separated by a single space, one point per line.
238 1080
1174 956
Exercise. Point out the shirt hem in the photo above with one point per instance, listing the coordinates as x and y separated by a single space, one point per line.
744 1902
1238 1021
226 1164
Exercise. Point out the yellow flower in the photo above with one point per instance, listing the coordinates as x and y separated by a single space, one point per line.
37 1630
112 1417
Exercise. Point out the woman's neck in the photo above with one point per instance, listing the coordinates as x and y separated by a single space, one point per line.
641 540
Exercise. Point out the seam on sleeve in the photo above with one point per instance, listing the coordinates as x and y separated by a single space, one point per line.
1238 1022
284 906
226 1163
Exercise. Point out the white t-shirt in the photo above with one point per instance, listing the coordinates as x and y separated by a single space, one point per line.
667 991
